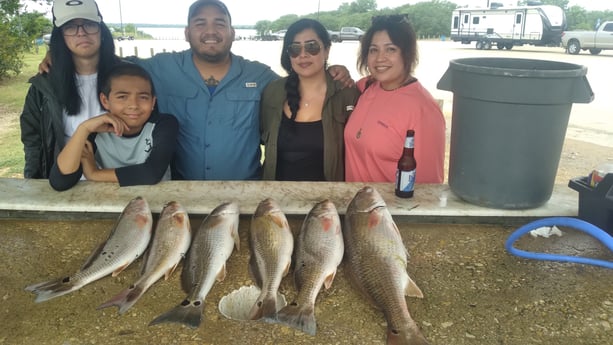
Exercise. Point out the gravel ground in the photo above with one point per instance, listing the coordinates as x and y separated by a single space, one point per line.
475 293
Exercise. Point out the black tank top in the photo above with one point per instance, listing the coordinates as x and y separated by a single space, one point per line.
300 151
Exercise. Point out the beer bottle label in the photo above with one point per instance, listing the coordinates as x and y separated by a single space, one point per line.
406 180
409 142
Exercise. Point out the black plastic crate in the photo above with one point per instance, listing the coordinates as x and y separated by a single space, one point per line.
595 203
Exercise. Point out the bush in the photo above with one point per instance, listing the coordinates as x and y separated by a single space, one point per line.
12 48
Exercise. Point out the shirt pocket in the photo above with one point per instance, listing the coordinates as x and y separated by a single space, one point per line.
245 108
179 101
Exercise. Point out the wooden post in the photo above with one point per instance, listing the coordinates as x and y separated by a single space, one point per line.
136 51
121 51
151 51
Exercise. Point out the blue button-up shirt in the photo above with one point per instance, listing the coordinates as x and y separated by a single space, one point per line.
219 133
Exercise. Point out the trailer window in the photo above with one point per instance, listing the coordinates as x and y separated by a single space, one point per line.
475 20
456 22
518 18
466 19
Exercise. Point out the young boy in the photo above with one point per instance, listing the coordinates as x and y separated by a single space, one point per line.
131 144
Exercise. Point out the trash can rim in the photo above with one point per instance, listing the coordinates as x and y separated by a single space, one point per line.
506 68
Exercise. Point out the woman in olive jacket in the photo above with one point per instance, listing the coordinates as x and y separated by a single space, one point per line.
303 116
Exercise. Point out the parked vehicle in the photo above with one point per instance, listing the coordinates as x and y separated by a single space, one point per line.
279 35
129 38
594 41
350 33
334 35
505 27
47 38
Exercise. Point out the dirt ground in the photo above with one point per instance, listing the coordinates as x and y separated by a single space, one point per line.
475 292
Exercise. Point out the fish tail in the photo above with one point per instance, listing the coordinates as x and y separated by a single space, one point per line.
188 313
51 289
301 317
265 308
125 299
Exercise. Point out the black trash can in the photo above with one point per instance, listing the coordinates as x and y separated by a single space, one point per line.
508 126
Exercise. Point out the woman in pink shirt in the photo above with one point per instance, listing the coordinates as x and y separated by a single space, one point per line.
392 102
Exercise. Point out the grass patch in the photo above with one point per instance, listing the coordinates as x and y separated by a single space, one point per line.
12 96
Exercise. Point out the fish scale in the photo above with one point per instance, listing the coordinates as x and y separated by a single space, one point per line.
271 243
170 242
211 247
377 262
319 251
127 241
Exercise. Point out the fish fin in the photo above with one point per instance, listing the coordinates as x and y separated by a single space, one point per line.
54 288
286 270
125 299
93 256
221 275
141 220
279 220
188 313
301 317
329 279
171 270
119 269
412 290
236 238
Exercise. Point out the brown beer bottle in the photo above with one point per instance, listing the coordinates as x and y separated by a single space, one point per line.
405 173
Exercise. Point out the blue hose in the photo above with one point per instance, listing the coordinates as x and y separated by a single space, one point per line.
575 223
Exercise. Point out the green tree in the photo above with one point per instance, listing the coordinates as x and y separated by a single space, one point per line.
284 22
263 27
18 30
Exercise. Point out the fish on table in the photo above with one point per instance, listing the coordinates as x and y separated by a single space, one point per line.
271 243
211 247
318 253
171 240
376 261
127 241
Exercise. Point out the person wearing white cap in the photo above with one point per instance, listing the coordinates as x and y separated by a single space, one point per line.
83 51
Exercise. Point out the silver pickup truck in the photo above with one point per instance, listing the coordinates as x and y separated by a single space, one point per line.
594 41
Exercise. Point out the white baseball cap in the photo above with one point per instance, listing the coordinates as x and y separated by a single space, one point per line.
67 10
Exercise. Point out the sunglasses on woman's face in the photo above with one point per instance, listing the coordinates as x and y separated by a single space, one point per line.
311 47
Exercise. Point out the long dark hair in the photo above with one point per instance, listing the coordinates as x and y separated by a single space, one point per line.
401 33
63 73
292 82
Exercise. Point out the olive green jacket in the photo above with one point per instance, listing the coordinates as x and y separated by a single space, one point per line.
338 105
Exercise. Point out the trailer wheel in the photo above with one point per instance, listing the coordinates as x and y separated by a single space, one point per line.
487 45
479 45
573 47
500 46
595 51
509 46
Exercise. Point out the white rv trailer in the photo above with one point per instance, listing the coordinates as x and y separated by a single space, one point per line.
505 27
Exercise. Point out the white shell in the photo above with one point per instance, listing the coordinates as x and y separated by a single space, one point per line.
237 304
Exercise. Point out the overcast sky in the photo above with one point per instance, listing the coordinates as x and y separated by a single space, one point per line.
248 12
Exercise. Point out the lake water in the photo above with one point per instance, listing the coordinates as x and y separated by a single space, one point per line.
178 33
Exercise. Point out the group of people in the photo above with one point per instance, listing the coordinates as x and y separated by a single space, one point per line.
202 114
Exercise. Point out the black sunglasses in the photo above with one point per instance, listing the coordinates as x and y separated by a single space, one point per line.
311 47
